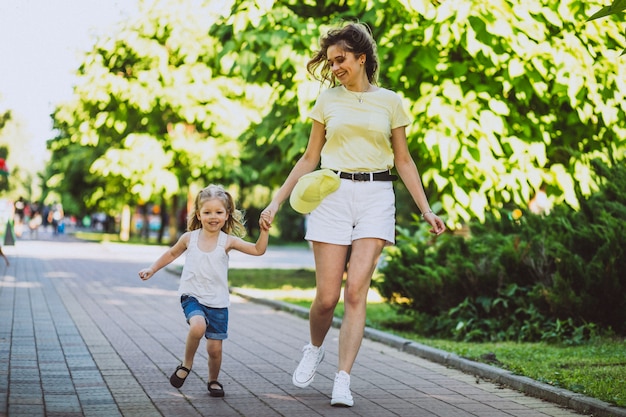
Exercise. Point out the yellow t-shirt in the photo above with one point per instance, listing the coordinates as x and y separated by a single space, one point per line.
358 134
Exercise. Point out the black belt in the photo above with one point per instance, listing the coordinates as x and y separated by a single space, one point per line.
368 176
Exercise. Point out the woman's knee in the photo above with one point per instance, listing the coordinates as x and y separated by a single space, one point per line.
326 302
355 296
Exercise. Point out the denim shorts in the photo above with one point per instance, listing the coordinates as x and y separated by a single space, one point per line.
357 210
216 318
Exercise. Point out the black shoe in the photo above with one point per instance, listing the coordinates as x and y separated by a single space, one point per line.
215 392
177 381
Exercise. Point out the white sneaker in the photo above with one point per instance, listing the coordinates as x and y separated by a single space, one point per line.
311 358
342 396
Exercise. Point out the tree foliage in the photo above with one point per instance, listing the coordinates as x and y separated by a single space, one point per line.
18 171
149 115
505 96
4 118
618 6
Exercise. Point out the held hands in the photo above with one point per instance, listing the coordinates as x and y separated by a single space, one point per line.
146 273
267 217
438 227
265 221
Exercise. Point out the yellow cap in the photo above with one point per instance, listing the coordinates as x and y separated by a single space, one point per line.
312 188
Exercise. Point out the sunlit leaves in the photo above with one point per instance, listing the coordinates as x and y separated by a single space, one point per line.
504 95
615 7
532 95
562 177
136 87
140 156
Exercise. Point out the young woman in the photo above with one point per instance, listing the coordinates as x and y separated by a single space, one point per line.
359 132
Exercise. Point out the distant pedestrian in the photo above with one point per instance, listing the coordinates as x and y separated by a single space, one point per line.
214 229
20 214
34 223
55 218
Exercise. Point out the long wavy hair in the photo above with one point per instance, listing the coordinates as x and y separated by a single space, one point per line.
353 37
235 224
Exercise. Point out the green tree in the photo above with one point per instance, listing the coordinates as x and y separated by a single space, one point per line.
618 6
149 117
20 180
4 118
505 96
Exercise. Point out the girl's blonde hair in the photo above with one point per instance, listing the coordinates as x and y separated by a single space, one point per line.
235 224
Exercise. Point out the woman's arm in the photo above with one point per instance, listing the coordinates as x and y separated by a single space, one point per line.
307 163
405 165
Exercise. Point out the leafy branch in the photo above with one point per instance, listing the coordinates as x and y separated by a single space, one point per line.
616 7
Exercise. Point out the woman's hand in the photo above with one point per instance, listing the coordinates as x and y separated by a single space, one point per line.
438 226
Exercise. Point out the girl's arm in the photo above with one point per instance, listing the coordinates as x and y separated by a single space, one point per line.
167 258
405 165
249 248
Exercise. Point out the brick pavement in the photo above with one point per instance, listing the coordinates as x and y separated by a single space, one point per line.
82 335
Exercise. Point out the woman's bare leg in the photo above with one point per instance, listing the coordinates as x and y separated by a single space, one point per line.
363 259
330 264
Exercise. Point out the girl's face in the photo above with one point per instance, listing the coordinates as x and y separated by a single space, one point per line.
347 67
212 214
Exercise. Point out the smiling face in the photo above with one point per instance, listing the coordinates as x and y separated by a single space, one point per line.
347 67
212 214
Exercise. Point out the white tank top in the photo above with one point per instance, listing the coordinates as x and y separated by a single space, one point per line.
205 274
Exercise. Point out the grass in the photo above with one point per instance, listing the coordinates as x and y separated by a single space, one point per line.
596 369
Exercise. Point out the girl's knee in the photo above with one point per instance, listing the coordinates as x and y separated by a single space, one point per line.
214 348
197 326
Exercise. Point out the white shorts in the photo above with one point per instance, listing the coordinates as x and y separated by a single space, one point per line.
357 210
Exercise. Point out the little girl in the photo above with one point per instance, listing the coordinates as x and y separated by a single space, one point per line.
214 228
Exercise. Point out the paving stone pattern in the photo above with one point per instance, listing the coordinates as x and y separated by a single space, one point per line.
82 335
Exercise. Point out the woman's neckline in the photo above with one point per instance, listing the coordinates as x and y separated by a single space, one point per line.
359 96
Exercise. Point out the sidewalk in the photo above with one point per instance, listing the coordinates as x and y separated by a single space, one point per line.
82 335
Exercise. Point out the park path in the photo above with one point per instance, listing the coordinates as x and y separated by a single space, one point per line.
82 335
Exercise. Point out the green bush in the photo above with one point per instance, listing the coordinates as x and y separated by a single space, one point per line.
553 278
589 283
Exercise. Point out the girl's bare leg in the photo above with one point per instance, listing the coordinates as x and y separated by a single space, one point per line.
214 350
197 327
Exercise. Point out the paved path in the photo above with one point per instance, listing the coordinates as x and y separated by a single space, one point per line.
82 335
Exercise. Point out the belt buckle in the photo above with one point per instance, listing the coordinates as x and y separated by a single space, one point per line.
360 176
